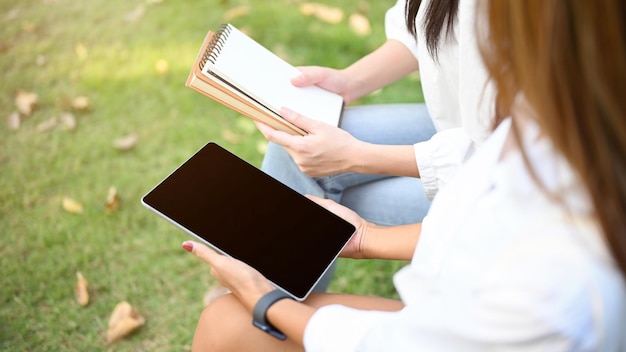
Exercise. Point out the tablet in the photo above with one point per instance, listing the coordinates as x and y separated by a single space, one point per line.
244 213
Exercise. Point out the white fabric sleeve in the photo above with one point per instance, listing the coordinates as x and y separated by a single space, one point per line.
339 328
395 27
439 158
514 311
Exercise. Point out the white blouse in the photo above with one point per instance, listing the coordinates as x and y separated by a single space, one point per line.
455 92
499 266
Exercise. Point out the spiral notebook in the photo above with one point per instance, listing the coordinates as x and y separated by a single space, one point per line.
238 72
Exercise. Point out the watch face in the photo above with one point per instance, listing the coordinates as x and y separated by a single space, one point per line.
246 214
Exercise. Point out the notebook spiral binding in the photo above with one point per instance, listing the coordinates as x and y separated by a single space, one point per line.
216 44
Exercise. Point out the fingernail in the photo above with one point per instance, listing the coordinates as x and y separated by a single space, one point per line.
188 246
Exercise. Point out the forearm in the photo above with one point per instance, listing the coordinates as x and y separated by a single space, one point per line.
391 242
290 317
385 65
395 160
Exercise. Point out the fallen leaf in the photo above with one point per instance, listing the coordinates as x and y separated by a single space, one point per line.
81 103
123 321
26 102
162 67
41 60
72 206
29 27
126 143
82 294
323 12
135 15
81 51
232 137
113 200
236 12
12 14
67 121
13 120
47 125
359 24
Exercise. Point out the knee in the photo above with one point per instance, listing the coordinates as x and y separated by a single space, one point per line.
221 323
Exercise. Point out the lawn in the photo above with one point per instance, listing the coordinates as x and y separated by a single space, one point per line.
105 81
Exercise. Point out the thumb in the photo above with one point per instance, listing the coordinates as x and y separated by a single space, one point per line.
305 123
309 75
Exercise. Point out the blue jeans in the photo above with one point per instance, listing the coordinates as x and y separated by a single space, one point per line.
381 199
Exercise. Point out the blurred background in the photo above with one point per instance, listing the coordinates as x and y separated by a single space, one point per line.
94 113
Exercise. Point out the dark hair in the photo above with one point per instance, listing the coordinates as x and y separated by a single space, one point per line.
568 59
440 18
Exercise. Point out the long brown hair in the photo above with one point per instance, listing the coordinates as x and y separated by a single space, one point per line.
568 58
439 19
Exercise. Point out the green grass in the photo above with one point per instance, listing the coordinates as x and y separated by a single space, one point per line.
91 48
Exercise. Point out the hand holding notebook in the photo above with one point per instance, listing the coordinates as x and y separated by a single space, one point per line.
238 72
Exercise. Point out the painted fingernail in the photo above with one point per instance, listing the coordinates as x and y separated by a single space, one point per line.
188 246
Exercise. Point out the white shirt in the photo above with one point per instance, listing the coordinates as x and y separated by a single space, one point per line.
499 267
455 92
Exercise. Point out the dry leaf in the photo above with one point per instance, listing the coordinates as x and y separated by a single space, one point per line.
41 60
72 206
25 102
324 12
82 295
123 321
47 125
232 137
67 121
11 15
13 120
81 51
360 24
126 143
136 14
214 292
29 27
162 67
236 12
81 103
113 201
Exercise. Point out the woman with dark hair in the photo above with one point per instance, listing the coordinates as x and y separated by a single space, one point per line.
387 161
525 250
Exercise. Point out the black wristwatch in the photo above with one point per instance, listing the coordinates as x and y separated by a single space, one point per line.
260 309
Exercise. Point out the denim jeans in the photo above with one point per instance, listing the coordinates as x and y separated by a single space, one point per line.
381 199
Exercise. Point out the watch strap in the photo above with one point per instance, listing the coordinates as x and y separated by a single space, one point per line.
260 310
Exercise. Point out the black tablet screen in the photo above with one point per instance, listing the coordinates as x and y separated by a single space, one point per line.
245 213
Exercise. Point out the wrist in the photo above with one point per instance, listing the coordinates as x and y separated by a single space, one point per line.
362 156
255 293
259 313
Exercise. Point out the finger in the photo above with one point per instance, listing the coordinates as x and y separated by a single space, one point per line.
299 120
310 75
324 202
202 251
263 128
273 135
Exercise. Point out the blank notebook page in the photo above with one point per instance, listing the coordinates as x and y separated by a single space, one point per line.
266 77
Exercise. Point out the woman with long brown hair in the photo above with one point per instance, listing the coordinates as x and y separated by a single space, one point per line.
525 251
